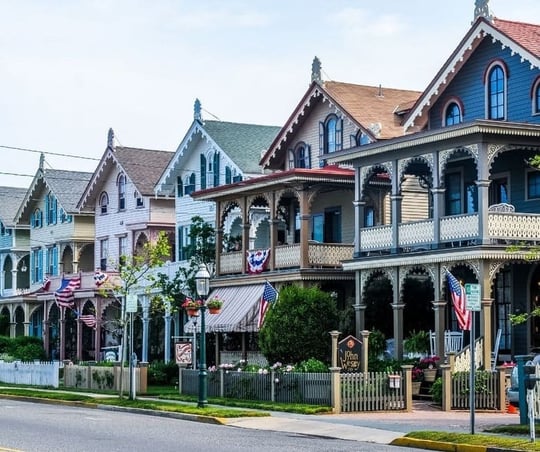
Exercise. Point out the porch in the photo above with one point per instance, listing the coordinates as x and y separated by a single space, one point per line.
503 228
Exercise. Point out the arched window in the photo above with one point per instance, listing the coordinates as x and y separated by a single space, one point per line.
216 169
190 184
330 135
203 172
179 187
496 93
301 156
452 114
121 192
51 208
36 219
362 138
104 202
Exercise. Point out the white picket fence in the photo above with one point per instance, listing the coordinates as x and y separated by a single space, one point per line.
34 374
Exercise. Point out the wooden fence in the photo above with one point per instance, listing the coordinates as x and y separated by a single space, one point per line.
486 396
34 374
372 391
286 387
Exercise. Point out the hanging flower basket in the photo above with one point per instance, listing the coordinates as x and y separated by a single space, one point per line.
192 312
214 305
192 306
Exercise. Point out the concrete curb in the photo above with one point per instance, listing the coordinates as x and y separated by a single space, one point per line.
442 446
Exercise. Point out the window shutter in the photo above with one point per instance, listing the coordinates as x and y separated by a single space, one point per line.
48 219
32 266
308 156
55 260
40 266
203 172
339 134
179 187
292 159
321 138
55 210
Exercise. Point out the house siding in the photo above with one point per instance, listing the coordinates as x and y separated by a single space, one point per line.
469 87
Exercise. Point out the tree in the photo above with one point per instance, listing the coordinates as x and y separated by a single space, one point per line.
201 250
135 274
296 326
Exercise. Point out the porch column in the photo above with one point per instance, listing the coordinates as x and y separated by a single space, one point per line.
438 313
62 322
78 353
483 201
486 330
397 308
14 280
145 322
167 339
273 232
359 307
359 214
396 219
438 213
305 217
245 234
45 335
219 239
97 335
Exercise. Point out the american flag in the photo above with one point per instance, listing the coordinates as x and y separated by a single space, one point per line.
88 320
457 293
64 294
269 296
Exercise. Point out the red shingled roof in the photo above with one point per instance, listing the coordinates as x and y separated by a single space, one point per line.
524 34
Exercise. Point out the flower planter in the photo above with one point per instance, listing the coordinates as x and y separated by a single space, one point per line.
214 310
192 312
430 375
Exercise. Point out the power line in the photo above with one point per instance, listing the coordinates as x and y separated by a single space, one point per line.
58 154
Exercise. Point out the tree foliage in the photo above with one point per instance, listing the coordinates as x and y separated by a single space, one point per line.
296 326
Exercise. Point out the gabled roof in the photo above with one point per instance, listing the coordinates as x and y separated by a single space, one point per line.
243 144
376 110
521 38
11 197
66 186
142 166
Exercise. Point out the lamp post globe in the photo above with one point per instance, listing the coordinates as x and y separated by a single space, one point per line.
202 281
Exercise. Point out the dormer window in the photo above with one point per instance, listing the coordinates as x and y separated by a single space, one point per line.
121 192
104 202
496 92
452 115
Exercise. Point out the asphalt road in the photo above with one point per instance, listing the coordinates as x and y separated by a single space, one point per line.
37 427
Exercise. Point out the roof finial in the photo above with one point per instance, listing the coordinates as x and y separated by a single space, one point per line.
42 161
110 139
316 70
197 110
481 9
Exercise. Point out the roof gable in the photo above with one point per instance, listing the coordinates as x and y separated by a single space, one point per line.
12 197
66 186
142 166
373 109
523 39
242 143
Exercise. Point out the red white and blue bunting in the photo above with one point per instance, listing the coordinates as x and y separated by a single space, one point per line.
257 260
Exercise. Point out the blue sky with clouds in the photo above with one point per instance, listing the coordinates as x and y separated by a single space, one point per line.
72 69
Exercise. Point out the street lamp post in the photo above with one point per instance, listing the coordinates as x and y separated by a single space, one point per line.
202 281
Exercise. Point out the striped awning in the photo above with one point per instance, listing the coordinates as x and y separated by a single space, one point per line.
239 314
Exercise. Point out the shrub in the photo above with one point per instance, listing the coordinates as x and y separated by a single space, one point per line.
436 391
311 365
162 374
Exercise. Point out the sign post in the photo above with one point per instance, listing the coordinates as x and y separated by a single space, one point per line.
472 303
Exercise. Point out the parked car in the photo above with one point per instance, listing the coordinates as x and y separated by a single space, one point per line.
512 393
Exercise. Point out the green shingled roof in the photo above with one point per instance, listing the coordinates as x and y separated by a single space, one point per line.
243 143
11 197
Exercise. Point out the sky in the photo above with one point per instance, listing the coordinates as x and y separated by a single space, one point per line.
72 69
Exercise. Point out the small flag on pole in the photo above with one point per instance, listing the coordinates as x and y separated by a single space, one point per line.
64 294
457 293
269 296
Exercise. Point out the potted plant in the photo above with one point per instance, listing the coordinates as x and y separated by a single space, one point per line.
192 306
214 305
416 344
429 366
417 378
